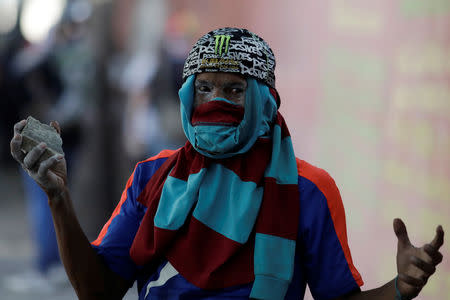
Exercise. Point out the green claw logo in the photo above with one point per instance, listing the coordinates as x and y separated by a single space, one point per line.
220 40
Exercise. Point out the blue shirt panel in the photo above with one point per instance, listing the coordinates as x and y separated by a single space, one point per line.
323 261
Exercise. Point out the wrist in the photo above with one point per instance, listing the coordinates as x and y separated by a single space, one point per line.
57 196
398 295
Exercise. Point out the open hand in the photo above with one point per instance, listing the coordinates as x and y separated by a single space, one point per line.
415 265
50 174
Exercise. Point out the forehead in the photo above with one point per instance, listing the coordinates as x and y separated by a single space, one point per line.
220 77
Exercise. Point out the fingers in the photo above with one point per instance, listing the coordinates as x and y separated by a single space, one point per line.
415 282
55 125
18 127
33 156
14 145
435 255
427 268
401 233
16 141
47 164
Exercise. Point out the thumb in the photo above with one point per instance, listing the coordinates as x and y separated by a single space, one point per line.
438 238
55 125
401 233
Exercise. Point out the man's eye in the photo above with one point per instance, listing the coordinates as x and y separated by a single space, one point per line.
237 90
204 88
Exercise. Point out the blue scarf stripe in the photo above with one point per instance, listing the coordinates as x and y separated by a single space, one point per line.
272 276
274 246
231 211
177 198
283 166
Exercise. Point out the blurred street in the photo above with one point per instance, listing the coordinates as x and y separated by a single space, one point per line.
16 246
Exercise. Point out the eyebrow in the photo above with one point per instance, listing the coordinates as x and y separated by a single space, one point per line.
201 82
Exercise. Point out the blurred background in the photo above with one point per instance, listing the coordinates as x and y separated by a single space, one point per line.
365 89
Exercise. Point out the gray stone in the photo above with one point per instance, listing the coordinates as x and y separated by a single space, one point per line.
35 132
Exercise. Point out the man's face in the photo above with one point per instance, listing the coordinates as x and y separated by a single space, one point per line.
224 85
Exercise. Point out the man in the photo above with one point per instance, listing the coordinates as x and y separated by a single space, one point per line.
232 214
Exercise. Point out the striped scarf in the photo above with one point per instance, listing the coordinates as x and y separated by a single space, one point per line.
225 220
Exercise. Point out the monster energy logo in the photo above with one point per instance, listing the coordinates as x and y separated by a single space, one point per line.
220 40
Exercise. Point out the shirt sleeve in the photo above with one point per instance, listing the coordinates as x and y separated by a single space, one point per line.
323 248
115 239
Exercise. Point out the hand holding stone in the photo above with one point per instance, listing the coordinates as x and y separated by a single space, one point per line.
46 165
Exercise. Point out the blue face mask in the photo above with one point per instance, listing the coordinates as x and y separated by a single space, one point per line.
223 141
216 140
